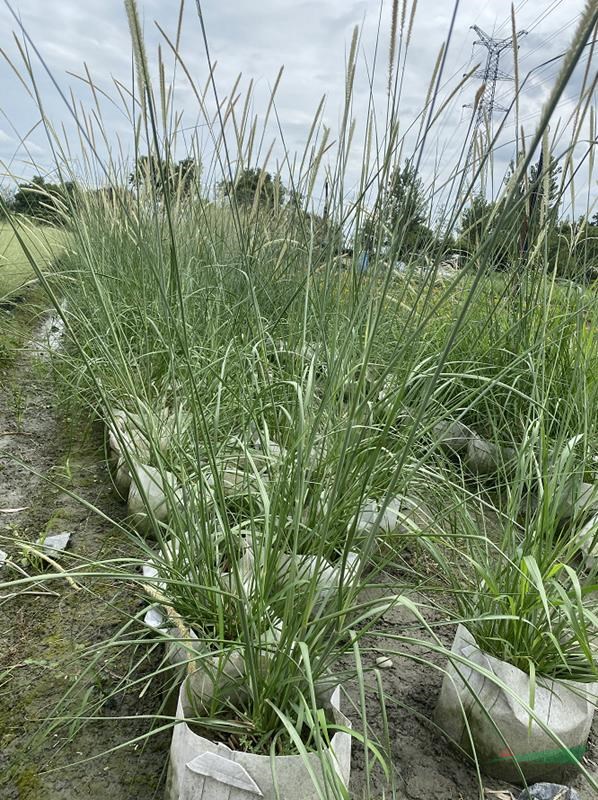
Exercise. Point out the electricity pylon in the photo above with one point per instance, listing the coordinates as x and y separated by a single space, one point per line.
486 105
491 73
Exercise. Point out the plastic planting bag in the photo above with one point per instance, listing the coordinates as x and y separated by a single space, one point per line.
452 436
401 515
133 432
322 573
588 541
181 641
486 458
122 477
482 457
579 500
125 434
470 698
200 768
152 491
234 481
368 515
181 647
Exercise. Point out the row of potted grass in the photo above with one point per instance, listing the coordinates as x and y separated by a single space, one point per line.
319 472
220 668
176 302
455 704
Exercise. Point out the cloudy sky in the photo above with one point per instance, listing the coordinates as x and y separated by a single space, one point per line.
309 38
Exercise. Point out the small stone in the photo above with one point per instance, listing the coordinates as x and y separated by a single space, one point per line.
383 662
3 558
153 618
548 791
55 543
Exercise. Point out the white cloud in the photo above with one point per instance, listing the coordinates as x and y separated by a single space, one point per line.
310 38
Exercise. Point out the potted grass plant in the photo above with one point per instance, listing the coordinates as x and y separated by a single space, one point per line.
256 606
521 686
318 755
258 706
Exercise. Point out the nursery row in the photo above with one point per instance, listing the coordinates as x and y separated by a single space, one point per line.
272 483
303 449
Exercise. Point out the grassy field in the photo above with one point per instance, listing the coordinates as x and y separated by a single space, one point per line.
17 277
44 243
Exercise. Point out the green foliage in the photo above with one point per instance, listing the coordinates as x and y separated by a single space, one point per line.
254 185
45 202
405 202
398 222
520 591
5 202
573 250
479 224
506 231
160 176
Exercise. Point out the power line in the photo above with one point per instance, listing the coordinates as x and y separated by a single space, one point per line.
552 7
517 10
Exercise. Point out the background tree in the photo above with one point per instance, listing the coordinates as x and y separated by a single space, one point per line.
504 231
6 197
155 174
255 184
484 230
398 223
186 177
534 205
46 202
475 222
573 250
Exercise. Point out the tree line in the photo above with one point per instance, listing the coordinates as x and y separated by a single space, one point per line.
504 233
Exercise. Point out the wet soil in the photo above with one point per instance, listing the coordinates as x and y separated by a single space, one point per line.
46 630
46 633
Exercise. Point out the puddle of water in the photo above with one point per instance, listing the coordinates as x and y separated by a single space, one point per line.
47 339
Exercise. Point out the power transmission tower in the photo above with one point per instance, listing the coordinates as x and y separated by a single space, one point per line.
491 73
485 105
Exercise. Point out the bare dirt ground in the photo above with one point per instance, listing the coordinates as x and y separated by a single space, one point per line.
46 634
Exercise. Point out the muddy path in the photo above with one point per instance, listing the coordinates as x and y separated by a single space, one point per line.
46 633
